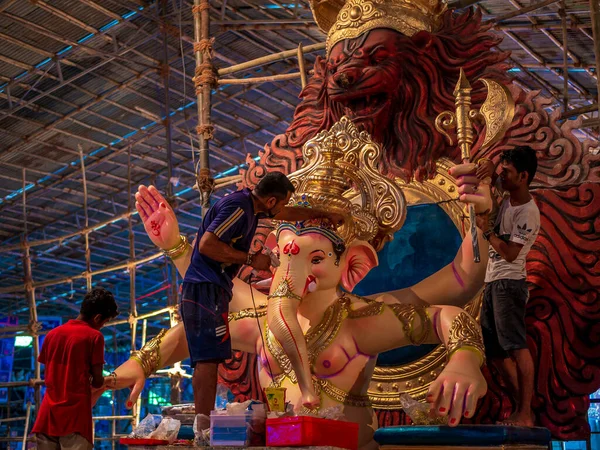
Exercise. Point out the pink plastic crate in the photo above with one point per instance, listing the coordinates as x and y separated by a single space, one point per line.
305 431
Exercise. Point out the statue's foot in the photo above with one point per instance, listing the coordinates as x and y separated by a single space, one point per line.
311 400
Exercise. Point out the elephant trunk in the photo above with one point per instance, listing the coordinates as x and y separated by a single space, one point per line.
290 284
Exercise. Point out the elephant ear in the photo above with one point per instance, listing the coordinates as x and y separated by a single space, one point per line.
360 258
271 241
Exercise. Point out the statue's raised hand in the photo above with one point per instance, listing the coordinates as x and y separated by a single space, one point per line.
158 217
457 389
471 188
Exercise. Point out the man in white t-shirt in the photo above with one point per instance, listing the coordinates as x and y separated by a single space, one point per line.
510 236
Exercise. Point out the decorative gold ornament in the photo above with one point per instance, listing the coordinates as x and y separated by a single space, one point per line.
179 249
149 355
465 334
406 315
497 111
340 164
260 311
348 20
284 290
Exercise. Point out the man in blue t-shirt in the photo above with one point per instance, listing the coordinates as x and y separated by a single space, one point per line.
222 247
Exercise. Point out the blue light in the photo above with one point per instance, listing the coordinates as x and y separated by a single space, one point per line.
46 61
64 50
85 38
108 26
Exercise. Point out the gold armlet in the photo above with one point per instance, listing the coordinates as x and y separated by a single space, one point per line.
179 250
284 290
149 355
260 311
406 315
465 334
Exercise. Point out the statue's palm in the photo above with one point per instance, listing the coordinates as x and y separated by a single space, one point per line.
159 219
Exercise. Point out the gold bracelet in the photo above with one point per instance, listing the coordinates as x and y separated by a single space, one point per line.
178 250
406 315
149 355
482 160
465 334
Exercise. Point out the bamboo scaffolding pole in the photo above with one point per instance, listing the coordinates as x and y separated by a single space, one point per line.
565 49
270 58
27 416
41 284
257 80
595 13
88 255
523 10
140 317
204 80
302 65
579 111
99 225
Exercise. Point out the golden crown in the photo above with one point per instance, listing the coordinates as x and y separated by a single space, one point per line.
349 19
340 178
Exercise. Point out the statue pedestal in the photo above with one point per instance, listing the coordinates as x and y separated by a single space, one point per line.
476 437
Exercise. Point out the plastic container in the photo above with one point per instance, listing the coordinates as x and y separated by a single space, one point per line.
238 430
304 431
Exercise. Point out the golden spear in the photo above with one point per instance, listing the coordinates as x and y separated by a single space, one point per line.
497 112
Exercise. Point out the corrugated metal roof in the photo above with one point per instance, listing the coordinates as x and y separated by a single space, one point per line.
112 100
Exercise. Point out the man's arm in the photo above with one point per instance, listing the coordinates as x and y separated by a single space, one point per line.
229 224
97 363
509 251
97 377
214 248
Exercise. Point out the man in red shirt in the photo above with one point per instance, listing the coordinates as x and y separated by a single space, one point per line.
74 357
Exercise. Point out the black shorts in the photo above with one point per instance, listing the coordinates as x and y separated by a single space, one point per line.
204 310
503 317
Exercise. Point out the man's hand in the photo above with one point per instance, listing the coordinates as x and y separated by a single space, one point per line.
485 170
158 217
457 389
261 261
483 222
471 189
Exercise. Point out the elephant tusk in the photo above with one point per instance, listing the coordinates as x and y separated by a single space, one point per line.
264 284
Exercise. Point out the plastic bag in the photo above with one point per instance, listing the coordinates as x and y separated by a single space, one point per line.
167 430
202 430
146 426
224 396
419 413
333 413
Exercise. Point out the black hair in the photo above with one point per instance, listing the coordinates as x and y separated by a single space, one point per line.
523 158
274 184
99 301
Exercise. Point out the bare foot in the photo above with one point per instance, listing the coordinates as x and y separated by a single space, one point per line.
519 419
311 400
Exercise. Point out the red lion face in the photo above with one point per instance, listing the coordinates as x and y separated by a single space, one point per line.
363 75
394 86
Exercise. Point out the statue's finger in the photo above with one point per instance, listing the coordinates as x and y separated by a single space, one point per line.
463 169
445 400
148 198
435 389
135 393
458 401
468 189
471 399
466 180
141 211
144 204
156 195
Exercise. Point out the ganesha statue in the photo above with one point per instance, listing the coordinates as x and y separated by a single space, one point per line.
321 262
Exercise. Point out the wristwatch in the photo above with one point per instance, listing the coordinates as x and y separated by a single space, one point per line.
487 234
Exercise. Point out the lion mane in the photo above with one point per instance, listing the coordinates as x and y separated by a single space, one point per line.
430 70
